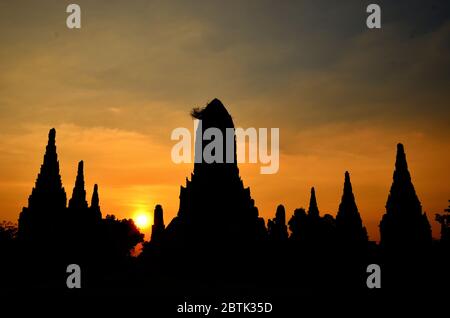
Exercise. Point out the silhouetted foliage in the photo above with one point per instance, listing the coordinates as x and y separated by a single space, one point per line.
8 232
297 224
310 228
120 236
276 227
444 221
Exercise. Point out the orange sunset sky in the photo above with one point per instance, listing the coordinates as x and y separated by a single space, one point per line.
342 96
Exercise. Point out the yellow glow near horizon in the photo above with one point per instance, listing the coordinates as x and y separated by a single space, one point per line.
142 220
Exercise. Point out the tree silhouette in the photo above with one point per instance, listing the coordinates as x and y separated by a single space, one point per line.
120 236
297 223
444 221
277 228
8 232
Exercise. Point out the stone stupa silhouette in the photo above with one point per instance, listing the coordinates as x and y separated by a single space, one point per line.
215 207
47 202
404 225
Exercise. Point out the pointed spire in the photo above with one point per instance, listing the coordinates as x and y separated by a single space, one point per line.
402 188
401 173
348 204
95 204
348 220
48 192
78 200
347 184
313 209
47 201
403 223
400 162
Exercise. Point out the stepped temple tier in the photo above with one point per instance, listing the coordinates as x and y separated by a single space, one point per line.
47 202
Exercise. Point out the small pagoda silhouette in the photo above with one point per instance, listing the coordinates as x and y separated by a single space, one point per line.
47 219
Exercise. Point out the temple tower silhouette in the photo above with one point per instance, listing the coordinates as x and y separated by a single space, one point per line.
78 200
79 212
313 210
158 226
95 211
214 205
47 201
349 226
403 225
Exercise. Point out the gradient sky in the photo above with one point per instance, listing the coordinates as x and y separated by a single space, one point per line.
343 96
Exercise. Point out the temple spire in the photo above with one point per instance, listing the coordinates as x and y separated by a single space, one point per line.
348 220
47 201
95 204
313 209
48 192
347 185
158 224
403 223
78 200
347 207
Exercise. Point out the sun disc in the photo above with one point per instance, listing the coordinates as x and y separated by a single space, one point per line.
142 220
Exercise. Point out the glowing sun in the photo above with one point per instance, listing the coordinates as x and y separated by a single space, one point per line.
142 220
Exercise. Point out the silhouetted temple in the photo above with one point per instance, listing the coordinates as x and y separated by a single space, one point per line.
403 224
47 202
47 217
95 211
313 210
79 212
349 226
214 205
78 200
158 226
